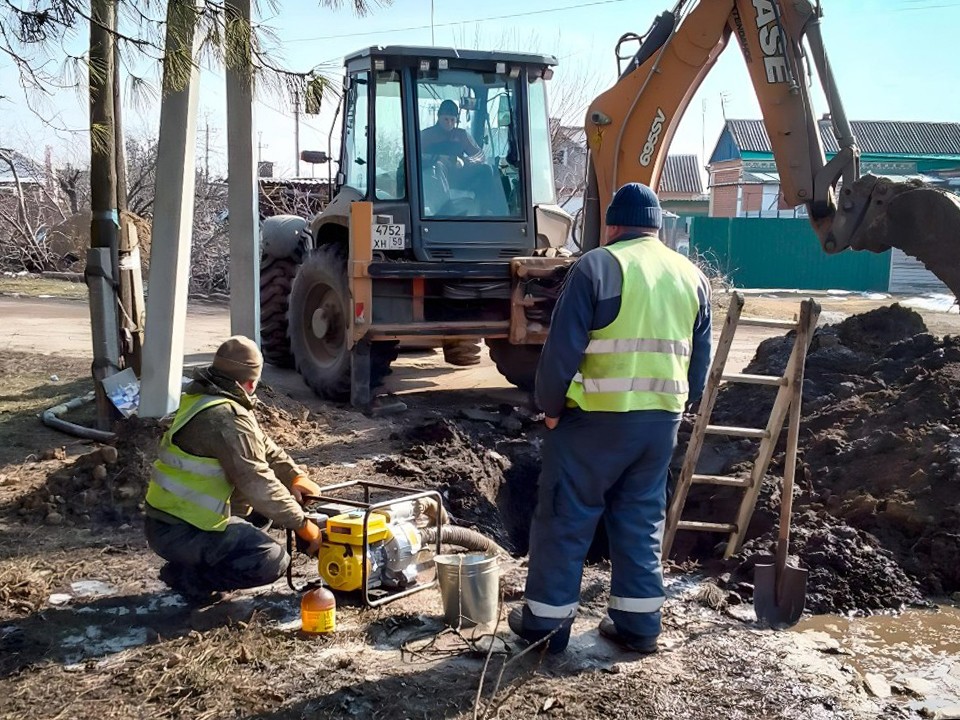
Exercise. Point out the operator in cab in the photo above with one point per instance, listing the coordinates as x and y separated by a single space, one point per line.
218 479
453 155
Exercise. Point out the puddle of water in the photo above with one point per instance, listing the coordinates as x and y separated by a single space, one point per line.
918 649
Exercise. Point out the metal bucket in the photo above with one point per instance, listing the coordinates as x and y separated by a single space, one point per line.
469 588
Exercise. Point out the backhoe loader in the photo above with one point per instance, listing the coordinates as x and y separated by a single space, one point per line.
461 240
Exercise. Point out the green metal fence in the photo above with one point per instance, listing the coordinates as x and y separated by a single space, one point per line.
783 253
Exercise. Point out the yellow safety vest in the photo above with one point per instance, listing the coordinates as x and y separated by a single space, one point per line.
640 360
192 488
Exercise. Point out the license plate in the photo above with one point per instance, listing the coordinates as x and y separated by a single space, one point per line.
388 236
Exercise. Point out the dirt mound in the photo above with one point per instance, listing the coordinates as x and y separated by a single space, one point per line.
469 475
105 486
71 238
849 571
879 453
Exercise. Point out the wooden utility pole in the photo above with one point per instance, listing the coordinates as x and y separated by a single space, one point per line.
130 263
103 255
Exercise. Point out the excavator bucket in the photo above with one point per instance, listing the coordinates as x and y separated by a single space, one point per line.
921 220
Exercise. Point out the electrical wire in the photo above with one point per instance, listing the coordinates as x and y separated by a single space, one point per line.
544 11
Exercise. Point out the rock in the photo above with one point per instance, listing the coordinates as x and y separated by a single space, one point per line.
951 712
100 473
128 492
480 415
59 453
916 686
511 424
109 454
877 685
54 518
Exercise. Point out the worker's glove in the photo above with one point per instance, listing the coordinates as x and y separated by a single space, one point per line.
310 534
302 485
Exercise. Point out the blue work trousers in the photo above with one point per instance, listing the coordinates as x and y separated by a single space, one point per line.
611 466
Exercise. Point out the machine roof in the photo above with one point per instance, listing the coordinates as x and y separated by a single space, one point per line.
449 52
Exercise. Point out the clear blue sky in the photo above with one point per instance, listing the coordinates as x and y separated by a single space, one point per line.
893 59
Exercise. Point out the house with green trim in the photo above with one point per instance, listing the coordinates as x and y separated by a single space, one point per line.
763 242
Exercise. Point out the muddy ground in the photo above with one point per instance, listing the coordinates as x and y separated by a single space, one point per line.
87 630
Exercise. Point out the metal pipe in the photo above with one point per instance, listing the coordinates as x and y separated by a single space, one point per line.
330 153
841 125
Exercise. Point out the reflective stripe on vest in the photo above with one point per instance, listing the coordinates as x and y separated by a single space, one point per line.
621 385
640 360
192 488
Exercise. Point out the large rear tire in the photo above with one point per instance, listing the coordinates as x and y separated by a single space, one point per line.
317 326
517 363
283 240
276 279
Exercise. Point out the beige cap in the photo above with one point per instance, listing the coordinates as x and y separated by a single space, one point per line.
239 357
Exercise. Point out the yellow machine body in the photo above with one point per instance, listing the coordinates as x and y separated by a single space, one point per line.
340 561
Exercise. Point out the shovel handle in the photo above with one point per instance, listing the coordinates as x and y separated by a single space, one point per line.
804 332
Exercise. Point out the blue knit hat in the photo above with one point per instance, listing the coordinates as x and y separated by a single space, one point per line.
634 205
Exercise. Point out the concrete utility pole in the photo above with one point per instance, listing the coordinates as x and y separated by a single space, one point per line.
103 255
173 221
243 200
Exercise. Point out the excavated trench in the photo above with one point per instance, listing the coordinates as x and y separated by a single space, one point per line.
878 497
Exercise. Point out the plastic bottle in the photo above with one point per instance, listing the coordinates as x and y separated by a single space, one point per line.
318 611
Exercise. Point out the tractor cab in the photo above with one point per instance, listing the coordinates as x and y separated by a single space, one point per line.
453 149
445 209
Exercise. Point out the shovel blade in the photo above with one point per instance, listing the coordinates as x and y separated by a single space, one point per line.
779 608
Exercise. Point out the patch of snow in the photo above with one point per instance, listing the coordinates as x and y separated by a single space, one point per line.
936 302
93 642
59 599
92 588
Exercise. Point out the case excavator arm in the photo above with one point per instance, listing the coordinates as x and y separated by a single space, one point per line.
629 128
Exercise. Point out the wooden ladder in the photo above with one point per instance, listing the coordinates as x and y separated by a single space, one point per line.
768 436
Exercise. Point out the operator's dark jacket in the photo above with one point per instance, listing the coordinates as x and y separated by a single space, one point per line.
591 300
259 470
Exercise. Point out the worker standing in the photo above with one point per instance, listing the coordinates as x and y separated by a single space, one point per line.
214 465
629 347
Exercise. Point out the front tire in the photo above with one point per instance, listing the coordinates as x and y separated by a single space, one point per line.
517 363
317 325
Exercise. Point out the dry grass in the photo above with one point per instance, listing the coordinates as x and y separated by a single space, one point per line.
36 286
199 676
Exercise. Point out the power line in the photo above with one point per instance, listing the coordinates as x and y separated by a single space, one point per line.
544 11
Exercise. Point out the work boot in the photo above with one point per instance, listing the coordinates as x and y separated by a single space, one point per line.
185 582
645 645
558 641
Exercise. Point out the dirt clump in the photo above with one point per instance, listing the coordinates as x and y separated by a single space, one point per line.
106 486
470 476
849 571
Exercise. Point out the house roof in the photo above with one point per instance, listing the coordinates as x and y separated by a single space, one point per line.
681 174
883 137
28 171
